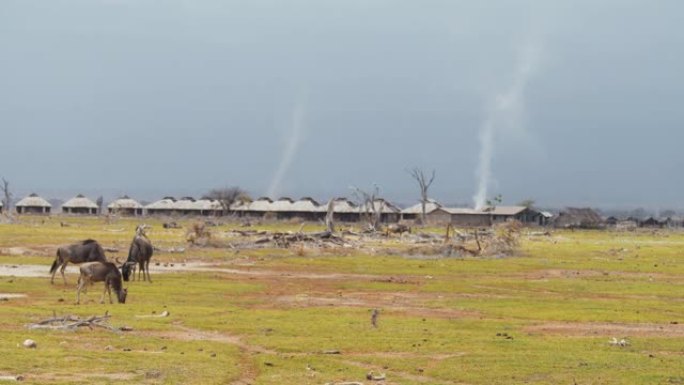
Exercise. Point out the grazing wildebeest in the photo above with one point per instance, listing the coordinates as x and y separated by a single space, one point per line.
85 251
139 253
106 272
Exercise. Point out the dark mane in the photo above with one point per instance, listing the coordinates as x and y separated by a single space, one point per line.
116 283
88 241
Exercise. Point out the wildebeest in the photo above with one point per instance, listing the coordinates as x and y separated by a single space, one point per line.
139 253
106 272
85 251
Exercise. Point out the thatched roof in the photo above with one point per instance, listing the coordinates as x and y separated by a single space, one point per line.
33 200
382 206
344 206
167 203
79 201
185 204
308 205
463 211
281 205
430 206
207 205
504 210
239 206
124 203
260 205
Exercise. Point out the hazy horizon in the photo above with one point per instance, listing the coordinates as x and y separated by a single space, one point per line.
570 103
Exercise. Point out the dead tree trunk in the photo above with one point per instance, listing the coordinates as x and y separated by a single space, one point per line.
368 203
329 220
7 201
424 183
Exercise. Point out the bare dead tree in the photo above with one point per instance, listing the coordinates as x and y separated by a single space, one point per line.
227 196
7 200
424 183
329 220
366 201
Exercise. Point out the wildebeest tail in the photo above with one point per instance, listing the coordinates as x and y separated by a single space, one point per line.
55 264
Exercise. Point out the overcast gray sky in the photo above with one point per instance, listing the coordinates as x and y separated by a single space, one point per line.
308 97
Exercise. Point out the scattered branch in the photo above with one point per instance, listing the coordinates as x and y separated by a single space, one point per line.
72 323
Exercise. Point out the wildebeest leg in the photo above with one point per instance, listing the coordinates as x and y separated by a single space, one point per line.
147 269
141 270
81 283
109 291
106 289
64 265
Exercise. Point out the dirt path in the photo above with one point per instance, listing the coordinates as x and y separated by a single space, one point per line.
27 270
617 330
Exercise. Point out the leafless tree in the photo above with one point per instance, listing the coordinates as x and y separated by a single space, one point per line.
329 220
366 201
7 201
227 196
424 182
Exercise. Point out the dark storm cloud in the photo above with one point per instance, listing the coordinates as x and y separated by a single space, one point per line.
152 97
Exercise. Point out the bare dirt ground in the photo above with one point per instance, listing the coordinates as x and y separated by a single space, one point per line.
608 329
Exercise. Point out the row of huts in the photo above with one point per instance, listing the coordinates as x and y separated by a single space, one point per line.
304 209
346 211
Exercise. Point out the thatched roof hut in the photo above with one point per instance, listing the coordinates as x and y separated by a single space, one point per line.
207 207
125 206
185 206
33 204
79 205
164 206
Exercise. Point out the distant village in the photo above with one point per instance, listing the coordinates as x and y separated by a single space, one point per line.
343 209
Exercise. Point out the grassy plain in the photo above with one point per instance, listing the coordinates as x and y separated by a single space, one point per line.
273 316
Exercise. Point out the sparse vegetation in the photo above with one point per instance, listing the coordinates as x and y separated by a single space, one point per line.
546 315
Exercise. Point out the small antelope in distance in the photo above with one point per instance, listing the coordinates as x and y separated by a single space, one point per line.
106 272
140 253
84 251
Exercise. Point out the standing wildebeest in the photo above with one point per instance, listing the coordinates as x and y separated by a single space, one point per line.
85 251
106 272
140 252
